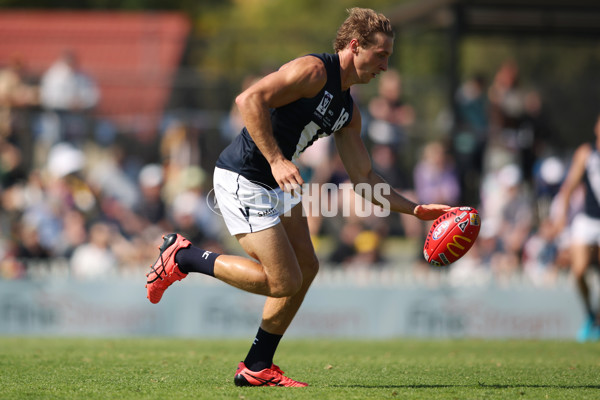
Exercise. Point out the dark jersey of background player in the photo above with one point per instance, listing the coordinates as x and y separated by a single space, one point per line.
591 180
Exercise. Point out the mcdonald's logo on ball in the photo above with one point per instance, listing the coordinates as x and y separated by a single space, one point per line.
451 236
455 247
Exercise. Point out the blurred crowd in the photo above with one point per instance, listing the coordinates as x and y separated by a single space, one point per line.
499 155
72 189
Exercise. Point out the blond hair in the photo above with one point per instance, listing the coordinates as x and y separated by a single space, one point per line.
361 24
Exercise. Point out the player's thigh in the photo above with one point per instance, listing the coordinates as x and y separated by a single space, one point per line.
272 248
585 236
581 256
296 227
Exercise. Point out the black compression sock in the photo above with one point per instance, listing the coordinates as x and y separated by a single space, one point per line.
194 259
262 351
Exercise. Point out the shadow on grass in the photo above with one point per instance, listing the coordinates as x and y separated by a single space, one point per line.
481 385
496 386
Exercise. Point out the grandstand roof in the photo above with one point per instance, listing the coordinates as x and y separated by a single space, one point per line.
131 55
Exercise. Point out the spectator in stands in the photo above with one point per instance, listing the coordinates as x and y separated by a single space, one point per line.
74 232
151 206
10 266
29 246
108 178
49 194
317 164
390 114
470 135
368 248
95 259
515 221
207 223
386 164
17 95
179 151
435 176
518 123
344 249
390 118
507 99
548 176
11 168
67 92
66 87
15 91
540 253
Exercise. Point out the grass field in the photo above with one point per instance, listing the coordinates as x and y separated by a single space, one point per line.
40 368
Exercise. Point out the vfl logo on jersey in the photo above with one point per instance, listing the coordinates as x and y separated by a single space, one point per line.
325 102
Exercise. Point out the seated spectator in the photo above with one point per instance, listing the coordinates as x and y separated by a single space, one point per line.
540 253
15 92
515 224
65 87
435 177
391 114
436 181
66 92
151 206
95 259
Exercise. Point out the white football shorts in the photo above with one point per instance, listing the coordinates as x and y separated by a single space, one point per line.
248 206
585 230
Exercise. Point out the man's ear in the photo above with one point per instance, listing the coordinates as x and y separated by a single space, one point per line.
354 45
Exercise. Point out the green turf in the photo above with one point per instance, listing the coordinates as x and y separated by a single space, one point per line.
33 368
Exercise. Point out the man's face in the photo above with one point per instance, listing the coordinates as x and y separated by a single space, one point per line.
373 57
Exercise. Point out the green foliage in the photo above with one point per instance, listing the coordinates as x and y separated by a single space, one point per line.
203 369
257 36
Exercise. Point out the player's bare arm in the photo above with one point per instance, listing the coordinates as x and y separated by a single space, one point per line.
357 163
572 180
303 77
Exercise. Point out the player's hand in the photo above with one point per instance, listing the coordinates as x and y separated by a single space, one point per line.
287 176
428 212
557 226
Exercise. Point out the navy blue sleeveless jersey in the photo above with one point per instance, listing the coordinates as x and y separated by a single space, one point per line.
295 127
592 185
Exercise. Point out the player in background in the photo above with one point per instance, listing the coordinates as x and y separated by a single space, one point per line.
585 228
257 183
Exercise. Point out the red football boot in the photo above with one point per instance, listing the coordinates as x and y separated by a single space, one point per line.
267 377
165 270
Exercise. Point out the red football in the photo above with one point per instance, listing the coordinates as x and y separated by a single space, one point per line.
451 236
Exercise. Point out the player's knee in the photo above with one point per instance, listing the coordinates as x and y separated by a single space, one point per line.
289 287
286 290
